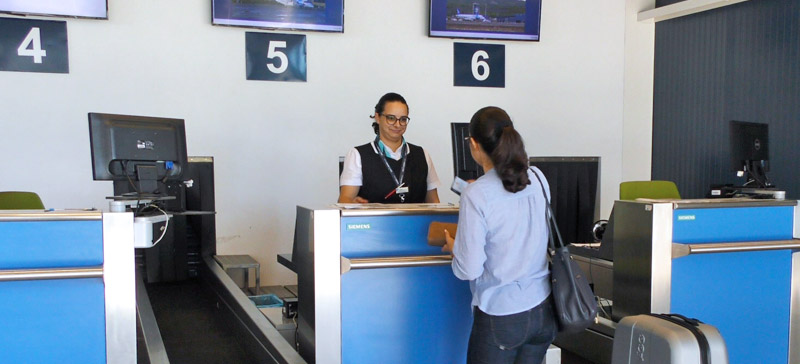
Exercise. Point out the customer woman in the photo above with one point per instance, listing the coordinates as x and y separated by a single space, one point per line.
501 247
389 169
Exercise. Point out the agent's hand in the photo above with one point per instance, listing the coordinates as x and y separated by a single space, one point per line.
360 199
449 241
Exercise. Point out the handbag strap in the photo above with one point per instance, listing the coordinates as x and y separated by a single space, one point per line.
552 231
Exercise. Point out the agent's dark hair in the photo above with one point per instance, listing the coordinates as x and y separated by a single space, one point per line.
492 128
381 105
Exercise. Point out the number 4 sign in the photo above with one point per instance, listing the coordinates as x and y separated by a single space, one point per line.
275 57
33 46
479 65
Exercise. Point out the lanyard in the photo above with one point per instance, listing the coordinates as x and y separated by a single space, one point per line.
386 163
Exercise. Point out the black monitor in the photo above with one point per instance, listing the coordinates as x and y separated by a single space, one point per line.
464 166
750 151
574 183
141 150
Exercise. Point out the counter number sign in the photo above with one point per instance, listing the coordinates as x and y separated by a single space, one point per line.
479 65
275 57
33 46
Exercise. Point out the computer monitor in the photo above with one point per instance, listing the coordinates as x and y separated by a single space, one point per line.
141 150
574 184
750 152
464 166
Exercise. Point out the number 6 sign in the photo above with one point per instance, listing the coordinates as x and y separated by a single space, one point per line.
275 57
33 46
479 65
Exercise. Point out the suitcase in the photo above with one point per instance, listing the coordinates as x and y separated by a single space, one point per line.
667 339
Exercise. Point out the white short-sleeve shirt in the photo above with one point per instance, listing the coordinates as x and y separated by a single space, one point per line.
352 176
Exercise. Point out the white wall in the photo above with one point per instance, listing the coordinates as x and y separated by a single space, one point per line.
637 141
276 144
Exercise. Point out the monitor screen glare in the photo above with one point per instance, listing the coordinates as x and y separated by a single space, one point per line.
486 19
72 8
319 15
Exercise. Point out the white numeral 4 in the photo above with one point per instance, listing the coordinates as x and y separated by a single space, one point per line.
34 41
479 64
273 52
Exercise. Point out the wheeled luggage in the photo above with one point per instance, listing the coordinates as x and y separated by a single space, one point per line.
667 339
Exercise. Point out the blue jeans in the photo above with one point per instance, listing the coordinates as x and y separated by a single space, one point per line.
518 338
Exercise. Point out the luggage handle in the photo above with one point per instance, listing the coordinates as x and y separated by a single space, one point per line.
692 325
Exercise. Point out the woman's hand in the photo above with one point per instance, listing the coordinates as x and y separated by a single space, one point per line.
449 241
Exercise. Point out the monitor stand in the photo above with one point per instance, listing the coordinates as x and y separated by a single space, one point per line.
756 174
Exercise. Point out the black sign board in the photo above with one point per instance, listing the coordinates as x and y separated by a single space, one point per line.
33 46
275 57
479 65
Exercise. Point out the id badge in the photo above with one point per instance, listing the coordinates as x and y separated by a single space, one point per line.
400 190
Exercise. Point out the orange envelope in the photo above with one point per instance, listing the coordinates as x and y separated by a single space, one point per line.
436 232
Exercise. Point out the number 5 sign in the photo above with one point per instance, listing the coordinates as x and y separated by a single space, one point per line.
275 57
33 46
479 65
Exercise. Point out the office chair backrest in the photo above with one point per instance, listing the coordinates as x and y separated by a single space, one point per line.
18 200
632 190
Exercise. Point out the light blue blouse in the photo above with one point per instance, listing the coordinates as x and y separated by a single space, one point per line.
501 245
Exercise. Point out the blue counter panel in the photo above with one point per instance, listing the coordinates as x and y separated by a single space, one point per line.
379 236
51 244
405 315
745 295
53 321
732 224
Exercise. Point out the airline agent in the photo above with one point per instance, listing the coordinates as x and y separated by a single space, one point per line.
389 169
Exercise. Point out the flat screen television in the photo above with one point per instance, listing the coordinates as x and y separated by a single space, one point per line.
319 15
141 150
486 19
750 151
71 8
574 185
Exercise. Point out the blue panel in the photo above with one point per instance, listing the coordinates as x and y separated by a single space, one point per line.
714 225
51 244
55 321
745 295
405 315
375 236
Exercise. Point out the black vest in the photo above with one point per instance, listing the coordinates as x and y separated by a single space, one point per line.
377 182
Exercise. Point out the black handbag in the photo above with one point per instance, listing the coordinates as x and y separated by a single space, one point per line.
573 299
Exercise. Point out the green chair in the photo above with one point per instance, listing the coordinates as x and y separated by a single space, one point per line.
17 200
632 190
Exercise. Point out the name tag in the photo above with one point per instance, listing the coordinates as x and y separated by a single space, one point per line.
400 190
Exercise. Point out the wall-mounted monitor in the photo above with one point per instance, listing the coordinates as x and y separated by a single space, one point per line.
486 19
319 15
70 8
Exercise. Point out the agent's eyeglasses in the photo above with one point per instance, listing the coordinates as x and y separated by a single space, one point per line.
391 119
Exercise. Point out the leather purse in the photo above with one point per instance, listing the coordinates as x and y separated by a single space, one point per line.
573 299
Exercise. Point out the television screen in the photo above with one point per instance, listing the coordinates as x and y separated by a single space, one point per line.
320 15
486 19
77 8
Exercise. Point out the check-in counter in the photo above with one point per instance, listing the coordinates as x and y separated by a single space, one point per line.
371 290
732 263
67 287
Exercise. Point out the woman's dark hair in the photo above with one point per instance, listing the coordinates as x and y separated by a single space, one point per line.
379 107
493 130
